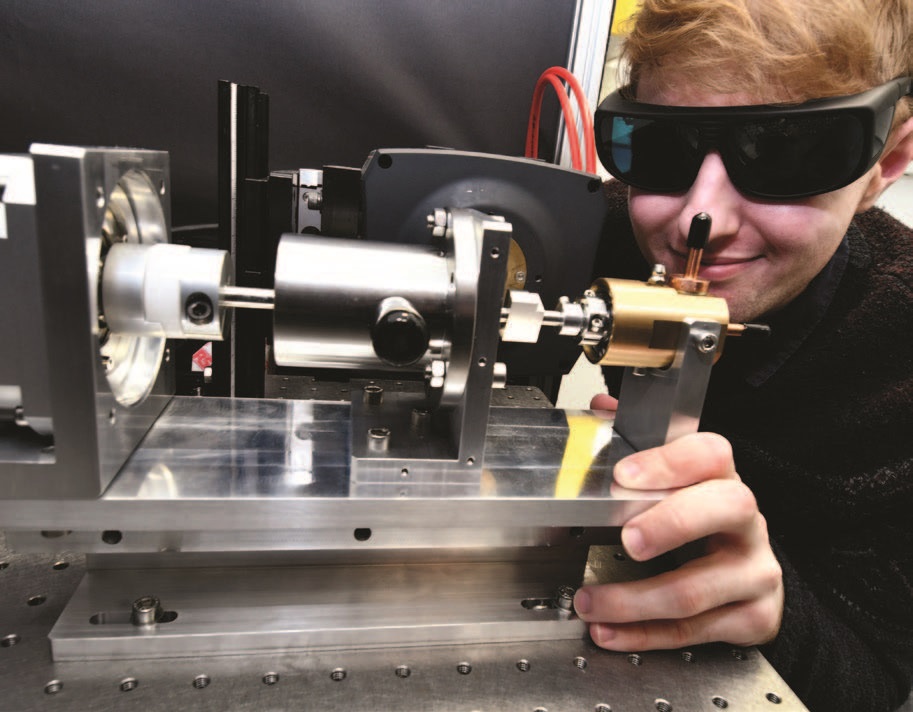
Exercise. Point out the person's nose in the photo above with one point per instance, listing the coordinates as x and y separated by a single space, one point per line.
713 193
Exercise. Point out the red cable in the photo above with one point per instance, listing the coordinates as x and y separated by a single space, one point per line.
586 117
568 118
532 133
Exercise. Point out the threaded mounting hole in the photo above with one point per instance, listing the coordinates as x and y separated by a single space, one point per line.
403 671
112 536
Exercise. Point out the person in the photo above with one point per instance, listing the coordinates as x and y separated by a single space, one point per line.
784 121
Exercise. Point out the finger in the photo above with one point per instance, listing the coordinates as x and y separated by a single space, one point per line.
699 586
685 461
746 623
716 507
603 401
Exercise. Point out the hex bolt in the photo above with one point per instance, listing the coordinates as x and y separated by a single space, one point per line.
437 221
435 373
147 610
658 276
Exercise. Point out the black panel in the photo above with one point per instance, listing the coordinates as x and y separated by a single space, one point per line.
344 77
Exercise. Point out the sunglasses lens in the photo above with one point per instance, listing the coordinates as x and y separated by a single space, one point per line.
650 154
791 156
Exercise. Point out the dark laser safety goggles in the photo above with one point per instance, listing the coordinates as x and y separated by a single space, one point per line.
770 151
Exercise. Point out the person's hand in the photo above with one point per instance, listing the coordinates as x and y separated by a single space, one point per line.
732 593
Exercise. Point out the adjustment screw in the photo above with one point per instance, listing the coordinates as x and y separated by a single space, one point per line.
314 200
198 308
658 276
564 599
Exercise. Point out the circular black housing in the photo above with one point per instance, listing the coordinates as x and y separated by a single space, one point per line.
400 337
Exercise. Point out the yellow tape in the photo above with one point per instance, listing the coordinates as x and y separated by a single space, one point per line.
586 437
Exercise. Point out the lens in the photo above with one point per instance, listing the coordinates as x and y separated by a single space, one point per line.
794 156
651 154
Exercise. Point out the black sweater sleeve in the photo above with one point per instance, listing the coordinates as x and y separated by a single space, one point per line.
826 445
827 663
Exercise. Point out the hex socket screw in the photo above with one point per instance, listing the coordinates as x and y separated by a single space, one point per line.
146 610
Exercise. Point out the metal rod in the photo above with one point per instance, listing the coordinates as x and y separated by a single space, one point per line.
553 318
247 298
549 318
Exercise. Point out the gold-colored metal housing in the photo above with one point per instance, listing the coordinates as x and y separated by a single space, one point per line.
647 321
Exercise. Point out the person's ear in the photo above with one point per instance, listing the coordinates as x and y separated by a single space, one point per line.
891 166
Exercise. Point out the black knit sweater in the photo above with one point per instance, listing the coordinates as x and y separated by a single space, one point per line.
825 441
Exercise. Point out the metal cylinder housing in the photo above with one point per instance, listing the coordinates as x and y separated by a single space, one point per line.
330 293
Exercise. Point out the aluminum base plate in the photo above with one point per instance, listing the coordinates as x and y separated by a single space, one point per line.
546 676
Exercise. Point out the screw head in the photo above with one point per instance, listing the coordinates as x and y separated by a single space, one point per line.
707 343
565 597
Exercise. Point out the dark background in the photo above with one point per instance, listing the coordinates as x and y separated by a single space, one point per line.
343 76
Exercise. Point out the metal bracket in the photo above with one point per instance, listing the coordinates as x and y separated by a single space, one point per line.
386 448
659 405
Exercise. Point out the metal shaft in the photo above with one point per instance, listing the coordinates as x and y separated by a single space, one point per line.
550 318
247 297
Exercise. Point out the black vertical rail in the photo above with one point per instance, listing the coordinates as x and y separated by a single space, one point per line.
221 350
243 170
253 327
